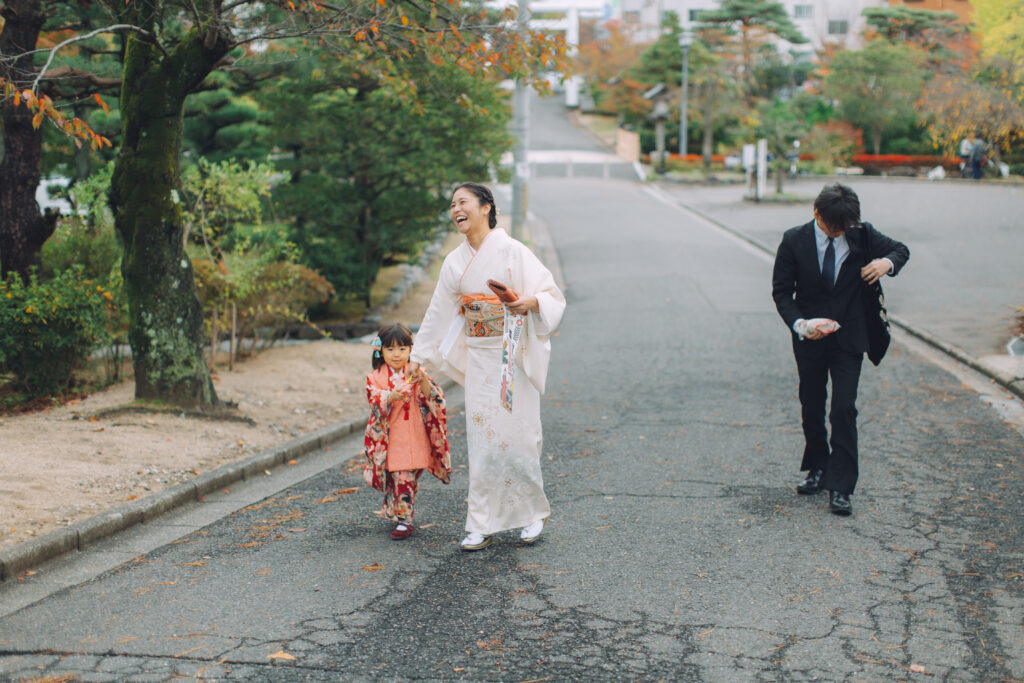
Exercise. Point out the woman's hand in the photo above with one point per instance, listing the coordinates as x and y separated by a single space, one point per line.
524 305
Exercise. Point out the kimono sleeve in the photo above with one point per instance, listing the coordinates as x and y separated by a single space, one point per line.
377 398
435 400
438 318
539 282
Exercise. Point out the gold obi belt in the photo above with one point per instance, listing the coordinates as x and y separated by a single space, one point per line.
484 314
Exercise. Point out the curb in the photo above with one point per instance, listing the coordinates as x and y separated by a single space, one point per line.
80 535
1012 384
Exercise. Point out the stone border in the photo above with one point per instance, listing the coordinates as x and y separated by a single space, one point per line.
23 556
1007 381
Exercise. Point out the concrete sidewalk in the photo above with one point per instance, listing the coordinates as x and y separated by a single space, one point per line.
964 277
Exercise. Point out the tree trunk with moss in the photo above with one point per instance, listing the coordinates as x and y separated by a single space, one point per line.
165 323
23 229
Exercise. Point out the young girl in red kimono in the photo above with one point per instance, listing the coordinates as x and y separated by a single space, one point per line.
407 430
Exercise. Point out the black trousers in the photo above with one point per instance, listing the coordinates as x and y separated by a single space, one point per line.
816 361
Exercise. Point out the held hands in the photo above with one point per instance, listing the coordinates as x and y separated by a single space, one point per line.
415 375
875 270
399 396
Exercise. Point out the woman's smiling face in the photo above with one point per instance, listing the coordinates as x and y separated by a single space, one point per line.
467 212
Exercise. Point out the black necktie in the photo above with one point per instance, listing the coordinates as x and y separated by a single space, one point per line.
828 266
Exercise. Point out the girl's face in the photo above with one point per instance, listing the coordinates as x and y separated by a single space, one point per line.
467 212
396 356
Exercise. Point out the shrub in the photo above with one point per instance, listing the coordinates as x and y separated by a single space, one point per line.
76 243
268 293
831 144
49 328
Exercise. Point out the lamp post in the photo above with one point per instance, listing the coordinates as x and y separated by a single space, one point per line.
521 130
685 40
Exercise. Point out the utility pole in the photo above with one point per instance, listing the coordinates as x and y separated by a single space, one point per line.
521 130
685 39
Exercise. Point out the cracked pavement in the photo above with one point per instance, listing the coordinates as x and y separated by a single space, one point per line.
677 548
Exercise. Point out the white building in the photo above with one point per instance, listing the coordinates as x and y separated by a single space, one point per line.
821 21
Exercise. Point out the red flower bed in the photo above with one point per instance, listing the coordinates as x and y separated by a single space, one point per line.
894 160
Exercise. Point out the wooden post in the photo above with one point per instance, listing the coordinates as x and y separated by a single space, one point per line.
213 339
234 328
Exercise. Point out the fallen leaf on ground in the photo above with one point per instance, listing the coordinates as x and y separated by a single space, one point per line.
919 669
281 654
293 462
326 499
193 564
375 567
345 492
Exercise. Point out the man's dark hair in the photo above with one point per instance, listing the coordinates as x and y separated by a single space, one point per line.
838 206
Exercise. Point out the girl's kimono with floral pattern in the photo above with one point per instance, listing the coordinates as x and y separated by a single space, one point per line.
379 384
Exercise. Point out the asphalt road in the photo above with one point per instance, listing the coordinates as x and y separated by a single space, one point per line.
677 550
966 247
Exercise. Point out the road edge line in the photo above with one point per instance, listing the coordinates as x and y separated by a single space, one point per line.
955 352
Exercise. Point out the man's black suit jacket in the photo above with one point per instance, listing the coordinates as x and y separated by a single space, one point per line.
800 292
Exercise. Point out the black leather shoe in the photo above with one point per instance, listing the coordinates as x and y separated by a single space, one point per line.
839 503
812 484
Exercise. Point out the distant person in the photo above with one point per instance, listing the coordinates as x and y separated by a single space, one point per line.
977 155
965 155
825 271
407 430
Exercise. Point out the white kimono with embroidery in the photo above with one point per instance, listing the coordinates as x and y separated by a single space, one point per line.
506 488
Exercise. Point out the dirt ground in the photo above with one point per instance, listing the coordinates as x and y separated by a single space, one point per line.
64 464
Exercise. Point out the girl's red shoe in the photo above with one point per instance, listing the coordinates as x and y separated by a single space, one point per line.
402 531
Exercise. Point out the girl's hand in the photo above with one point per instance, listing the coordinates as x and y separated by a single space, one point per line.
524 305
397 396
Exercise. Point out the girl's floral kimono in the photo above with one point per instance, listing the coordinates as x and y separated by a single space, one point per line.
400 487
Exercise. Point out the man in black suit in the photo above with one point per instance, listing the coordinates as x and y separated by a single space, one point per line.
821 270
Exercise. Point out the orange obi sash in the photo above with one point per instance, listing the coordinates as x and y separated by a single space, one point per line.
485 315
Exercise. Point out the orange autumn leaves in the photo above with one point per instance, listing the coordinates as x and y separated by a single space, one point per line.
44 109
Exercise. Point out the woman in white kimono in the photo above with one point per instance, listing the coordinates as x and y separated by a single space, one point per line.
464 335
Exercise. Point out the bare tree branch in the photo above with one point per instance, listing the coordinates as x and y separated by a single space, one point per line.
92 34
69 72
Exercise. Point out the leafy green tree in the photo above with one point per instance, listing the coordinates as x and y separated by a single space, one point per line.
169 49
756 22
780 125
224 120
939 35
715 93
876 87
370 172
902 23
1000 27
